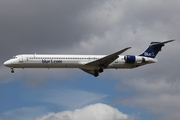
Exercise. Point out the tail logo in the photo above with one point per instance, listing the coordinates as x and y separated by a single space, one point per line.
149 54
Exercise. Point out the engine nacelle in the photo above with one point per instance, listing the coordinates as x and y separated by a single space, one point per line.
130 59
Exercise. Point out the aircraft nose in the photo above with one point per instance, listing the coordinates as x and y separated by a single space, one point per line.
7 63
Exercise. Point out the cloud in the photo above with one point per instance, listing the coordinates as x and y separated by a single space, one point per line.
43 25
135 24
158 97
50 99
25 113
68 99
97 111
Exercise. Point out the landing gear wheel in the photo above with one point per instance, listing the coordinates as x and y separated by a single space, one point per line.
100 70
12 70
96 74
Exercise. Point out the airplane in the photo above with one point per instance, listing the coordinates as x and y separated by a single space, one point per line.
92 64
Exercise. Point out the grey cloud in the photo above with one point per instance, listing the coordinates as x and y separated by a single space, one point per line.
40 27
96 27
37 26
159 98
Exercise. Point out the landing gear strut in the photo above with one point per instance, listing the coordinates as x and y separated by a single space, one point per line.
12 70
100 70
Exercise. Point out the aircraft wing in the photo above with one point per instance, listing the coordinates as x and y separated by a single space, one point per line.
105 61
89 71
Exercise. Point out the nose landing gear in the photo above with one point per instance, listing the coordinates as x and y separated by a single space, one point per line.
12 70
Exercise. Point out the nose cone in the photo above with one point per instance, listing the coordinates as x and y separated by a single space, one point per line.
7 63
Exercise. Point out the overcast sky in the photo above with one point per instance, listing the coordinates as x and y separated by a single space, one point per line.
90 27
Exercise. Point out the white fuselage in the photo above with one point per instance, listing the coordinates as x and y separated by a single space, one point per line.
69 61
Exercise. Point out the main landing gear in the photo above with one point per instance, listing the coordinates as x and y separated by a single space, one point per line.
96 72
12 70
100 70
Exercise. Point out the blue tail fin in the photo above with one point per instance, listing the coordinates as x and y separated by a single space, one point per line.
152 51
154 48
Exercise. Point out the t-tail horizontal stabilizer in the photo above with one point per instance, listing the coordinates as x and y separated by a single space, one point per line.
154 48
